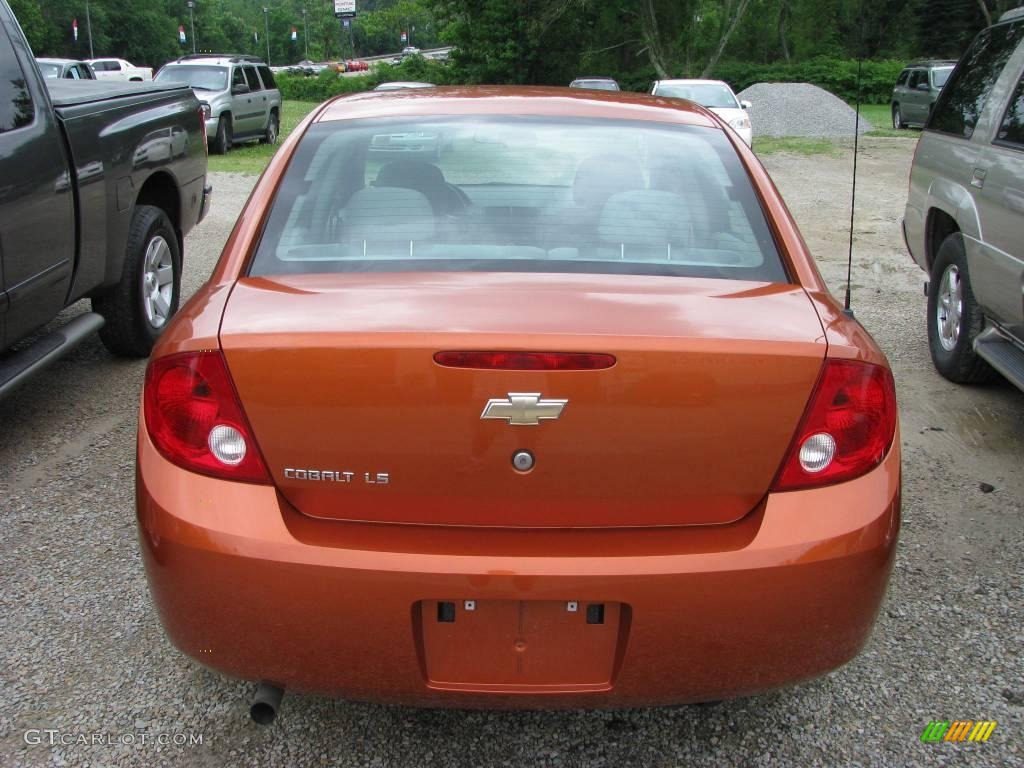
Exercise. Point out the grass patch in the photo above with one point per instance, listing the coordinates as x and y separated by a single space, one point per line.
252 157
880 117
770 145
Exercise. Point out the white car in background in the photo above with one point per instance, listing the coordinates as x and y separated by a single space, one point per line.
119 69
713 94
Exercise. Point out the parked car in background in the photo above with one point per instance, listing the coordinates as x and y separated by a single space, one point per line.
402 85
716 95
238 94
595 83
99 184
119 69
65 69
915 92
567 418
964 219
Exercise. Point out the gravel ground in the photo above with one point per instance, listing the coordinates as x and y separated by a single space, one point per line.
799 109
82 653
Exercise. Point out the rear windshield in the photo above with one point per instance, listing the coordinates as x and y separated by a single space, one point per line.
705 94
940 76
599 85
210 78
49 70
517 194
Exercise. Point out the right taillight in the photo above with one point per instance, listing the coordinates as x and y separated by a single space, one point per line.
195 420
847 428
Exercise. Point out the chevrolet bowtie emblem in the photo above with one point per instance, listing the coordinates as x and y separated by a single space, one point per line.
523 408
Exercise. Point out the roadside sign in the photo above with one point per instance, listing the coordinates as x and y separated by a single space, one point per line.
181 33
344 8
74 28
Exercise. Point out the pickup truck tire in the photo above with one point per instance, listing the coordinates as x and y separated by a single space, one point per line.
954 317
222 141
138 308
273 129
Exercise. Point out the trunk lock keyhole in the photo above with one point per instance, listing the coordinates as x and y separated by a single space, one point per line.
522 461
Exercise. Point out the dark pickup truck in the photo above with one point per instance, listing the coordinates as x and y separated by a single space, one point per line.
99 184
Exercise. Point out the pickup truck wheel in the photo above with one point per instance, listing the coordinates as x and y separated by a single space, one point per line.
954 317
273 129
222 141
139 307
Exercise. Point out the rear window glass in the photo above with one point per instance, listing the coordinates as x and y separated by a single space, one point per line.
517 194
268 77
940 76
1011 130
963 98
705 94
16 108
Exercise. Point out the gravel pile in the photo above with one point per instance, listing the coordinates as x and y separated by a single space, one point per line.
799 109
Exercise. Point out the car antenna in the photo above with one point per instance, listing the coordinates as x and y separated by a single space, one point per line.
847 309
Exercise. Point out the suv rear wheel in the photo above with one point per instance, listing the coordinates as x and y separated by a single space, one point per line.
954 318
897 118
273 129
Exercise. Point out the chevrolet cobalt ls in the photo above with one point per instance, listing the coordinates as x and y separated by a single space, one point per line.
564 416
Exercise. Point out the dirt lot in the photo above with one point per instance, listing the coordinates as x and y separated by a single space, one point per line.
82 653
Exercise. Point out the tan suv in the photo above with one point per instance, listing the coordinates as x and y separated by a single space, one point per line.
964 220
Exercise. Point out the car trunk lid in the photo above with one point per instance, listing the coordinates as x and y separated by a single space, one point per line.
357 421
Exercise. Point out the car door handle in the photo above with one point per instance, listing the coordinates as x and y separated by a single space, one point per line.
978 179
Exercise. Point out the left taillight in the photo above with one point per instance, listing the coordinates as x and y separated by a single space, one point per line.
195 420
847 427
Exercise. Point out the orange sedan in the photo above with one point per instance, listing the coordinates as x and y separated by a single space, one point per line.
517 398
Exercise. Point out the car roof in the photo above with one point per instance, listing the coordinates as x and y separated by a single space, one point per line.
691 81
514 100
932 63
397 85
48 60
222 59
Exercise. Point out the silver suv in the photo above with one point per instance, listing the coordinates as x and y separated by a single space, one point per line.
238 94
916 90
964 220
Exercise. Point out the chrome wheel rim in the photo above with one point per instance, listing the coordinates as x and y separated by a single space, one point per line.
949 308
272 131
157 282
896 121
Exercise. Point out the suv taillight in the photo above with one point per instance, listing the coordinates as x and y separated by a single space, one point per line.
195 420
847 428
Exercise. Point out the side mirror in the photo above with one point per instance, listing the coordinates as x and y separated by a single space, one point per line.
746 104
923 87
238 90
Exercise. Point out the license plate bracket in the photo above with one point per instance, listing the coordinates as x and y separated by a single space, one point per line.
520 645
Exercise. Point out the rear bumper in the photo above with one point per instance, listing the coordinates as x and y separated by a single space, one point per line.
246 585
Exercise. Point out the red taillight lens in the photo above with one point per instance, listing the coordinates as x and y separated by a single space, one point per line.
195 420
847 428
526 361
